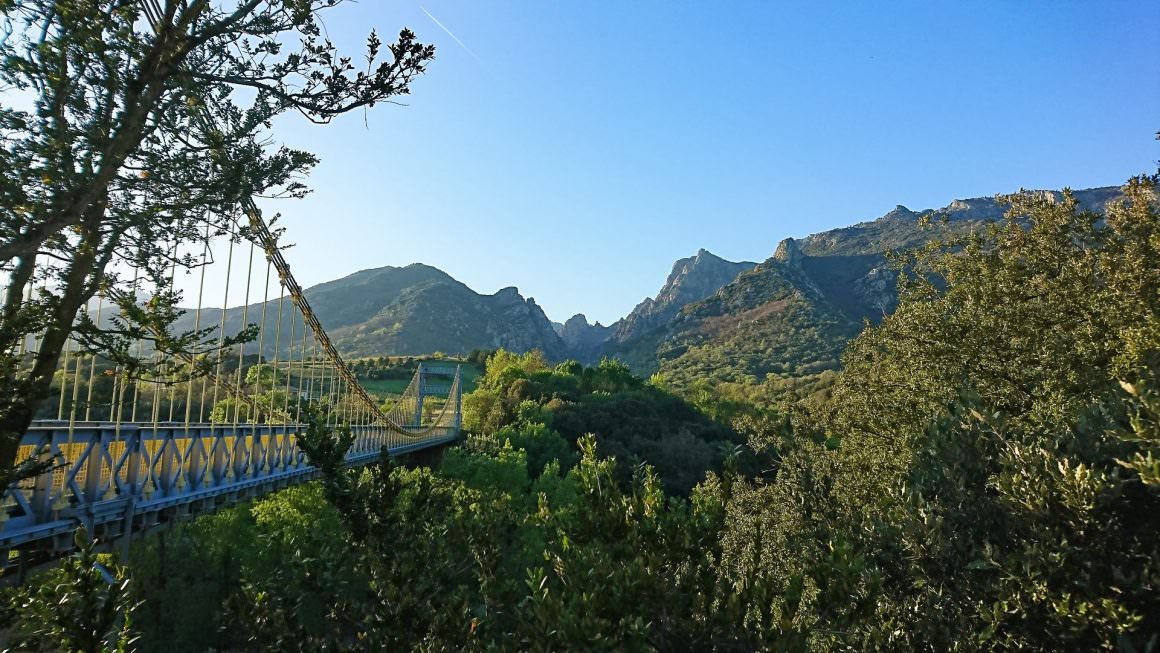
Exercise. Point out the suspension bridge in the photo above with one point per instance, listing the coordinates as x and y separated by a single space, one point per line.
133 450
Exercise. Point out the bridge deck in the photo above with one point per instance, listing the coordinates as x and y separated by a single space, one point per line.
121 478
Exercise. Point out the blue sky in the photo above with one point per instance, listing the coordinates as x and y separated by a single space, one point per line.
585 146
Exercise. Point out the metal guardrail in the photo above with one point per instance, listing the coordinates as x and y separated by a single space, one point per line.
124 478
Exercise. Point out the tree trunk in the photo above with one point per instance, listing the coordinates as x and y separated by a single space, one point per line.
31 392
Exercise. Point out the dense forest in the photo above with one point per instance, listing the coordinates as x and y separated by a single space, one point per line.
981 474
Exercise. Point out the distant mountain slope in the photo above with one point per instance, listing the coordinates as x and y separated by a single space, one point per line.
417 309
581 339
788 316
899 228
793 314
772 319
691 279
450 317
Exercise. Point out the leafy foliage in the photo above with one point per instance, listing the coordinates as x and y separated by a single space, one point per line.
992 438
982 475
631 420
83 605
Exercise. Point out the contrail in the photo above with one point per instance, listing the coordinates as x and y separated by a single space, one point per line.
452 35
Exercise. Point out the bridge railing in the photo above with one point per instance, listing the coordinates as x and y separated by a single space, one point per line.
119 478
116 476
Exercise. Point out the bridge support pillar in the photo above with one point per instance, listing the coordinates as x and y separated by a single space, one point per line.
458 397
430 457
420 394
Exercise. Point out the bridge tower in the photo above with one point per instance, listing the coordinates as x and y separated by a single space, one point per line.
421 392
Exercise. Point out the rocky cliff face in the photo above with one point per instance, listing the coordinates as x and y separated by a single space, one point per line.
410 310
983 208
789 252
517 324
792 314
899 228
691 279
448 316
875 291
581 338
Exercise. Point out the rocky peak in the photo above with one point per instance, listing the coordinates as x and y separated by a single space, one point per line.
580 337
900 212
789 251
691 279
509 295
691 275
577 321
992 208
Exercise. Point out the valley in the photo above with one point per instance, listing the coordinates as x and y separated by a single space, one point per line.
298 350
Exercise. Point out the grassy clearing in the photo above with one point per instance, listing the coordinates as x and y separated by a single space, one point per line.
384 388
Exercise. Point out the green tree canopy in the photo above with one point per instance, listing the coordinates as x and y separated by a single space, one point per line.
990 448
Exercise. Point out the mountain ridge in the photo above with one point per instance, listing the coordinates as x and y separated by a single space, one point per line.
410 310
793 314
788 315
